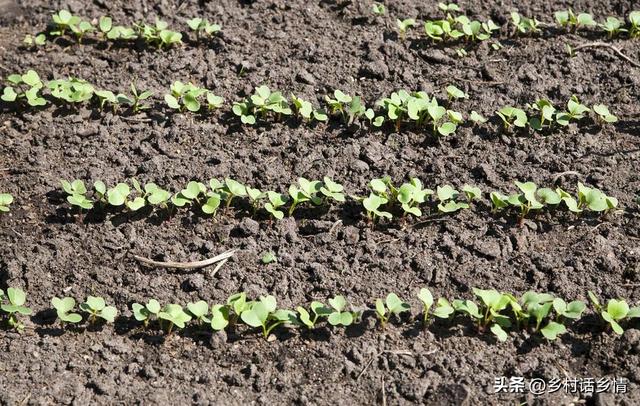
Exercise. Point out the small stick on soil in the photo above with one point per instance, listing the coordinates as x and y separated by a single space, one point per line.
186 265
561 174
384 392
611 47
333 227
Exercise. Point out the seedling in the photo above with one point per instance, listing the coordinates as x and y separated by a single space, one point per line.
595 199
119 195
63 21
572 310
512 116
158 34
603 114
447 196
5 201
449 8
231 189
411 195
477 117
76 192
268 257
34 41
264 314
199 311
175 316
26 86
455 93
136 99
318 309
397 106
203 27
634 20
443 308
15 307
106 96
120 32
378 9
576 111
567 19
475 30
307 192
524 25
96 307
219 317
71 90
390 306
185 96
493 303
238 304
612 26
64 309
255 196
332 190
372 205
340 317
276 200
306 111
404 25
616 312
187 195
146 313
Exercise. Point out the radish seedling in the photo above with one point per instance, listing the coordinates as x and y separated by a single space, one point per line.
567 19
264 314
26 86
158 34
318 309
390 306
238 303
595 199
199 311
493 303
617 311
404 25
339 316
477 117
64 309
146 313
524 25
612 26
15 307
411 195
634 21
378 9
203 27
136 99
187 195
306 111
268 257
307 192
576 111
447 197
604 116
276 200
63 21
76 192
71 90
106 96
219 317
184 96
96 307
5 201
332 190
231 189
572 310
372 205
34 41
455 93
512 116
175 316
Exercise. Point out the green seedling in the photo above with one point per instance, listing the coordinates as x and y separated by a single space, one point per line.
5 201
455 93
461 52
105 25
449 9
175 316
512 116
264 101
396 106
219 317
404 25
231 189
612 26
471 192
536 307
305 109
575 111
135 101
76 194
378 9
268 257
411 195
158 34
634 21
447 197
604 116
71 90
332 190
372 204
119 32
567 19
275 201
443 309
306 192
106 96
338 316
119 195
595 199
572 310
189 194
146 313
214 101
477 117
435 29
203 27
237 304
264 314
493 303
347 106
26 86
255 196
96 307
15 307
524 25
475 30
617 311
199 311
390 306
34 41
547 112
156 196
185 96
375 121
64 309
528 199
63 21
318 309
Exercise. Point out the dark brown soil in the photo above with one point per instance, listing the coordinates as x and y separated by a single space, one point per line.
310 48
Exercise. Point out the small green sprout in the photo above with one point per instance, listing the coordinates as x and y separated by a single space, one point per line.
5 201
119 195
231 189
219 317
634 20
332 190
190 193
455 93
404 25
411 195
136 99
96 307
34 41
512 116
106 96
397 106
185 96
378 9
612 26
447 196
158 34
575 111
617 311
64 21
604 116
15 307
268 257
567 19
264 314
524 25
307 192
318 309
390 306
71 90
175 316
461 52
339 316
146 313
372 205
26 86
435 29
255 196
120 32
276 200
547 111
572 310
493 303
202 26
347 106
105 24
199 311
305 109
477 117
64 308
76 192
475 30
595 199
238 304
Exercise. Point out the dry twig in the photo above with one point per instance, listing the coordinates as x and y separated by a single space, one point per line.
188 265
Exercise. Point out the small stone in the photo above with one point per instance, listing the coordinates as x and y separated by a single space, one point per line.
248 227
351 235
305 77
194 282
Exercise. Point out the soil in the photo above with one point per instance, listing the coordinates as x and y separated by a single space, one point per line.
310 48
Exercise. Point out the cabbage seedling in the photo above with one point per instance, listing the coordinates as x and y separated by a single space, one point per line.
390 306
76 192
576 111
447 196
202 26
318 309
64 309
612 26
404 25
268 257
345 105
119 195
175 316
199 311
339 316
15 307
411 195
5 201
146 313
255 196
617 310
603 114
96 307
307 192
276 200
372 205
264 100
512 116
396 106
264 314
